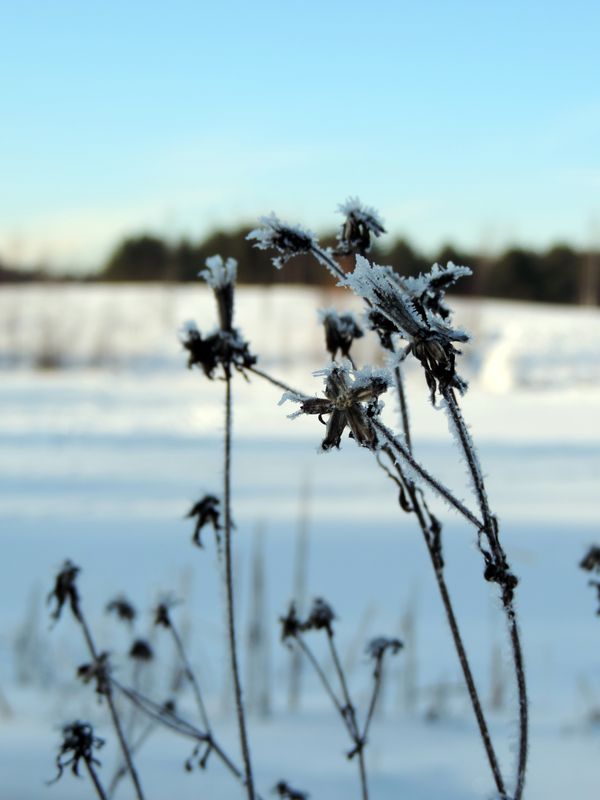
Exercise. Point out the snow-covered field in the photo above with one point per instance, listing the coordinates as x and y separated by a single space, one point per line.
101 458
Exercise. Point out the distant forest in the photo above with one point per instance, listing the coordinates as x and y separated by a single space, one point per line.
558 275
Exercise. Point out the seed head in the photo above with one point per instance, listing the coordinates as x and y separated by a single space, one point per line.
78 745
65 590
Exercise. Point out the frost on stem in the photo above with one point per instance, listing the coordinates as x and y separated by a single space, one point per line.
360 224
287 240
410 308
351 399
340 331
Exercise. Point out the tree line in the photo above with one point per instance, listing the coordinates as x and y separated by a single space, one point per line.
559 274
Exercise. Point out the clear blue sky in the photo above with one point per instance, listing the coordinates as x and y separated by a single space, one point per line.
476 121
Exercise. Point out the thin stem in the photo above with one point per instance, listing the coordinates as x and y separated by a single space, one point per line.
351 714
377 674
180 726
113 711
229 588
190 676
95 780
403 406
323 678
325 258
397 445
491 533
274 381
454 630
121 771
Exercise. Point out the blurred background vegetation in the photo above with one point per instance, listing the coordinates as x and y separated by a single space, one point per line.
560 274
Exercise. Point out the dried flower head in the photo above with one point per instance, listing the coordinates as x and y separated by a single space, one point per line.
283 789
431 339
206 512
290 624
98 671
355 233
591 561
65 590
122 608
225 348
351 399
320 618
287 240
162 613
429 289
78 745
220 276
340 331
141 651
381 645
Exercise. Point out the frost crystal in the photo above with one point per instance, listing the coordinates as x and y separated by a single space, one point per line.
351 399
287 240
430 337
219 273
361 222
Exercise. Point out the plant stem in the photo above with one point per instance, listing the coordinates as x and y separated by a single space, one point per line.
438 570
113 711
190 676
490 530
405 454
249 781
351 714
95 780
177 724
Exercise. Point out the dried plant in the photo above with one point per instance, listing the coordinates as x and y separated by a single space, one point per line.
411 318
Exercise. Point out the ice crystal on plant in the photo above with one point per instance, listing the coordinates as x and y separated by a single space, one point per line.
287 240
360 224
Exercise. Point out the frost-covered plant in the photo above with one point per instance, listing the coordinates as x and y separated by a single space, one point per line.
410 317
321 618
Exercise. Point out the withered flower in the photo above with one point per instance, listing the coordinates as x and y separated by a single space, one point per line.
402 301
206 512
65 590
351 399
340 331
98 671
141 651
283 789
122 608
320 618
591 561
78 745
225 348
355 233
287 240
220 276
162 613
291 625
379 646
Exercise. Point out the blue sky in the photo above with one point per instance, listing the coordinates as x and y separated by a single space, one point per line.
476 122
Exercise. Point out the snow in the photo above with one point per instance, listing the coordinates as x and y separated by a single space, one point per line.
101 460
